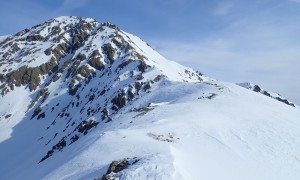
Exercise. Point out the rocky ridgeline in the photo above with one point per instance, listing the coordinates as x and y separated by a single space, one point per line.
50 42
93 69
258 89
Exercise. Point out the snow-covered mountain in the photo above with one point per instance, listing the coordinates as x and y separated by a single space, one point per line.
85 100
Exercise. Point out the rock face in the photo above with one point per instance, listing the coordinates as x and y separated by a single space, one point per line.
90 69
116 167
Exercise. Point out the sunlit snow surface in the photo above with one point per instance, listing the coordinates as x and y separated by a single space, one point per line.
237 134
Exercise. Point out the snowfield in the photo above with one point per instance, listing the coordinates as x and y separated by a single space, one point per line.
237 134
226 137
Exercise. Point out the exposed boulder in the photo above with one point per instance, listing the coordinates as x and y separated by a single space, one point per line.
84 126
41 93
84 71
142 66
138 86
50 66
119 100
130 94
31 75
256 88
95 60
109 52
7 116
81 57
284 101
72 69
34 37
115 167
124 64
57 147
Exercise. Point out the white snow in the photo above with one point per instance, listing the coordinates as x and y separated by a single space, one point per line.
16 108
173 70
2 38
238 134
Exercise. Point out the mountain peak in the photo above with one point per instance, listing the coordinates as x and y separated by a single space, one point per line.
109 24
96 69
66 18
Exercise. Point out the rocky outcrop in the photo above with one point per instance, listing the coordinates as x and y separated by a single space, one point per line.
119 101
30 76
109 52
95 60
84 126
57 147
258 89
116 167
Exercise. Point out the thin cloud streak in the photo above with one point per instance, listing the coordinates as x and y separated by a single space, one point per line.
24 18
276 70
297 1
259 49
69 5
223 8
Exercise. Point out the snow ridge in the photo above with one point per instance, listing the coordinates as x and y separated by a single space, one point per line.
273 95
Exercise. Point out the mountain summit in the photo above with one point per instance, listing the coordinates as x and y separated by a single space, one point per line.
85 100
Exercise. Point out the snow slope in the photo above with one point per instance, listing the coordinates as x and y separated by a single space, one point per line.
166 120
226 137
238 134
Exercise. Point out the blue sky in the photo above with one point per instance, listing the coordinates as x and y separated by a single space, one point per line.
232 40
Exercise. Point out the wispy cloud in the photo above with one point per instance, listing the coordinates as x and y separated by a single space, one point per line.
297 1
262 48
223 8
25 18
68 5
23 15
276 70
177 2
